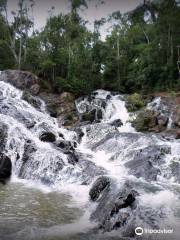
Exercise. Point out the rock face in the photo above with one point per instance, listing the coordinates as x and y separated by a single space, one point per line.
47 137
35 102
100 184
5 168
176 117
115 207
20 79
145 121
116 123
3 136
61 107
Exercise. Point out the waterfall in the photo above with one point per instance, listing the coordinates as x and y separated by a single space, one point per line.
147 161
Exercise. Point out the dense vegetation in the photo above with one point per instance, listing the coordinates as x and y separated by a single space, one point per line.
139 54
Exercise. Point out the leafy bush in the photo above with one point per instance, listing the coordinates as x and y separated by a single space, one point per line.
134 102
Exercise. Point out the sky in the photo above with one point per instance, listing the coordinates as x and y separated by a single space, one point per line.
62 6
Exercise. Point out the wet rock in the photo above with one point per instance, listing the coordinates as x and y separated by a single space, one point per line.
89 169
175 170
47 137
23 116
176 117
115 207
35 102
80 134
116 123
103 104
99 114
3 136
61 107
145 121
97 188
143 168
162 121
35 89
29 149
72 157
65 146
108 97
67 97
126 202
145 161
5 168
178 134
20 79
90 116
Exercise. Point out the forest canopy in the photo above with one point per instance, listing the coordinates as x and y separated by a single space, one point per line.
139 54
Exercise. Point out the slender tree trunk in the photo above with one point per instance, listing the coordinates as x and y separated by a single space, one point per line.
118 63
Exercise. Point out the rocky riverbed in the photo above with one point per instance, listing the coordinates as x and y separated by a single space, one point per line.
112 170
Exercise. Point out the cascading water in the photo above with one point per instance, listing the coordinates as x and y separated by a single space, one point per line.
62 209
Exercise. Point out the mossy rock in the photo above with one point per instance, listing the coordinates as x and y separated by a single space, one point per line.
145 121
134 102
89 117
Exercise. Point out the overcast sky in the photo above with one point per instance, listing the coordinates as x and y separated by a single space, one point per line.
62 6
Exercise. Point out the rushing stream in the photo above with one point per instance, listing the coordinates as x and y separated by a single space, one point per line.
48 195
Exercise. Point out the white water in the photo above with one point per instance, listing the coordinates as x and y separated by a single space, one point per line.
112 156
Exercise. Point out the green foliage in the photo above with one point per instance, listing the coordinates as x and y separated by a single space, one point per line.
134 102
139 54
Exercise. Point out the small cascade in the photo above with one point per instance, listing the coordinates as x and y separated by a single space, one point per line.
144 168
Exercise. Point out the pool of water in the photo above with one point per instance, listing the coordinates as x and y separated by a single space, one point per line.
30 213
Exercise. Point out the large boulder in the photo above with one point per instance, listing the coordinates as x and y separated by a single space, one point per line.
145 162
61 107
176 117
47 137
145 121
89 116
5 168
116 123
20 79
115 207
34 101
100 184
3 136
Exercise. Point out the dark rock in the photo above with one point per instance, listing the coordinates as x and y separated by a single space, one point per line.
116 123
35 102
61 135
29 149
145 161
97 188
127 202
162 121
90 116
65 146
47 137
175 170
35 89
115 206
145 121
108 97
72 158
3 136
178 134
143 169
5 168
176 117
20 79
103 104
80 134
99 114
